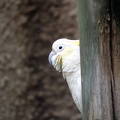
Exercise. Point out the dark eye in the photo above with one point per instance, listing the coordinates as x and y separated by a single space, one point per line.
60 47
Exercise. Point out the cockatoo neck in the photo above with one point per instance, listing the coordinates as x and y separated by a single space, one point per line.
72 73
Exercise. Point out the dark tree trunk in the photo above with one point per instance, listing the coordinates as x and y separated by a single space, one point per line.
30 89
100 58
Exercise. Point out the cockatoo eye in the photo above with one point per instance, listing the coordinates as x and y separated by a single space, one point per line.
60 48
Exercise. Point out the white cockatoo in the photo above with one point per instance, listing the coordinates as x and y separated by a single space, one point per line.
65 58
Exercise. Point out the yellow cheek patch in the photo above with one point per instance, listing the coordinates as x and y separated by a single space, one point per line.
76 42
67 52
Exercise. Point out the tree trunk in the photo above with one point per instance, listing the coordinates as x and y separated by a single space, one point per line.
100 58
30 89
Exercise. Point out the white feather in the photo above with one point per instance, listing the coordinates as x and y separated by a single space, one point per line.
70 67
72 74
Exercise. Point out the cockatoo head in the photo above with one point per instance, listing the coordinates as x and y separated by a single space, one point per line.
62 51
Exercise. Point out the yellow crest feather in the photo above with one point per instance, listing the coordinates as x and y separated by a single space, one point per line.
76 42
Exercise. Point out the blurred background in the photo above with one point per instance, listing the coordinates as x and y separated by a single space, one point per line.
31 89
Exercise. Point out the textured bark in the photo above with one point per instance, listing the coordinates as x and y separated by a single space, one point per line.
100 58
30 89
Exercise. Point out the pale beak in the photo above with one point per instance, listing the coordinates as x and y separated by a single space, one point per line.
50 57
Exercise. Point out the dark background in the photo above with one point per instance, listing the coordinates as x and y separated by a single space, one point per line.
31 89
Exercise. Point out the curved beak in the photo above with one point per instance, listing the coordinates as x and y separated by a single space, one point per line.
50 57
